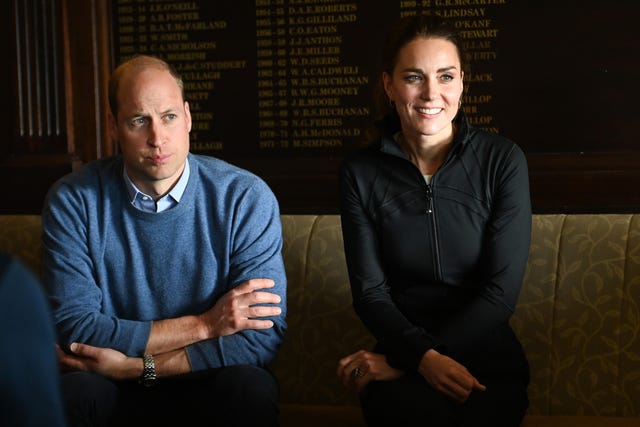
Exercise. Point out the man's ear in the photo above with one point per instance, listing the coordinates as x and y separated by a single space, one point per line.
113 128
188 113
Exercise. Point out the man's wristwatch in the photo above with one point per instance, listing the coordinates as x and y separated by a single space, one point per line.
148 377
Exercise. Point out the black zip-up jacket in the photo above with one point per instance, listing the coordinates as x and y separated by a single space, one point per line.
439 265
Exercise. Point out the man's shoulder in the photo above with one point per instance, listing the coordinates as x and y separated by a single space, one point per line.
229 183
87 182
221 172
96 170
214 164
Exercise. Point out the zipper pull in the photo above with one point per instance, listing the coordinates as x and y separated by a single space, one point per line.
429 200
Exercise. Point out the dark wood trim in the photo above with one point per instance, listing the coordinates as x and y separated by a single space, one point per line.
87 67
302 185
585 182
561 181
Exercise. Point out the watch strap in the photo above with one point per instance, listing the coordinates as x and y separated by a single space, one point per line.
149 376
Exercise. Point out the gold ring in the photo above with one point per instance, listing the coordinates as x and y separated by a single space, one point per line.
357 373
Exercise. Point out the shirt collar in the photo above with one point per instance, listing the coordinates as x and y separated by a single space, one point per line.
142 201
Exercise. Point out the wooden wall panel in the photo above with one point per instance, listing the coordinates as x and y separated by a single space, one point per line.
57 53
36 153
60 52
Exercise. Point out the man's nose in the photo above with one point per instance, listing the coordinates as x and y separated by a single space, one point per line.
155 134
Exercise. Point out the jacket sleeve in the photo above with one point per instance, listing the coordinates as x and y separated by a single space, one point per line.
503 261
402 341
256 253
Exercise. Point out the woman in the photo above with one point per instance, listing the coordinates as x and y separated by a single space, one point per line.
436 221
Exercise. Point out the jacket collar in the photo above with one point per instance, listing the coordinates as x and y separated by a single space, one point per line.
390 125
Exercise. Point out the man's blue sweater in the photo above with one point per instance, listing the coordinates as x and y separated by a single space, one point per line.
111 269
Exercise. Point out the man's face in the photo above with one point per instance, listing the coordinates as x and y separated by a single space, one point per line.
152 128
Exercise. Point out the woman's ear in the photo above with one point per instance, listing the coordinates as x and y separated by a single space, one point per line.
386 83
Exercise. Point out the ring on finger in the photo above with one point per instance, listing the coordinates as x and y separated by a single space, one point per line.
357 373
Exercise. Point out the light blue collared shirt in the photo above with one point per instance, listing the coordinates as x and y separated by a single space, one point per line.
145 203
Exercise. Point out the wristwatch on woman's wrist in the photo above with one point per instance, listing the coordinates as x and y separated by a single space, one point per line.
148 377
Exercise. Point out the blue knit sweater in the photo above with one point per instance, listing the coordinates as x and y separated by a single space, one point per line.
110 269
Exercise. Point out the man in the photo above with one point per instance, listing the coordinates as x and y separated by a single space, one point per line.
30 386
164 272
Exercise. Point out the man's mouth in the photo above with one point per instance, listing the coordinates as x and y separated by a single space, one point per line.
159 159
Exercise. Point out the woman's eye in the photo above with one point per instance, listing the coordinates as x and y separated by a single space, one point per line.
446 77
413 78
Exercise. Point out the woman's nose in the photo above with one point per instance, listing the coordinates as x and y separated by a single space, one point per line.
427 90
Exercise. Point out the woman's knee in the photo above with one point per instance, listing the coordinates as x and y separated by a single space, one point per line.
407 401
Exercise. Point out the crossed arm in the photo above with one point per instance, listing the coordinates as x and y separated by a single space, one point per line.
239 309
224 306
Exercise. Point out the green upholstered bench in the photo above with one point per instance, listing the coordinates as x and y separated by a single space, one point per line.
578 318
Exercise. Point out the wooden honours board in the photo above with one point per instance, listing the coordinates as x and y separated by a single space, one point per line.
285 87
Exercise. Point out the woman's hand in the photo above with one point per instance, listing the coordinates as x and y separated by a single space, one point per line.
448 376
361 367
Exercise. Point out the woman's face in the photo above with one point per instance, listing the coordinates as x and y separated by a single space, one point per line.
426 86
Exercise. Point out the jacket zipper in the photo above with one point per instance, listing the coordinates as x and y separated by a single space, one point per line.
435 232
429 200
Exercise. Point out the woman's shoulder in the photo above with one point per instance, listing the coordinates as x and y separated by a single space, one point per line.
363 157
491 143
